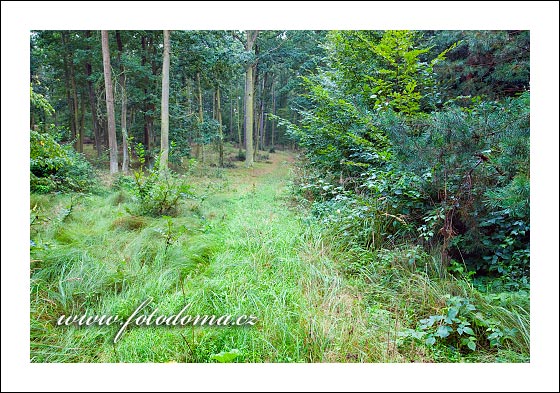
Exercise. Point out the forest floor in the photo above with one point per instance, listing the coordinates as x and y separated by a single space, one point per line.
241 247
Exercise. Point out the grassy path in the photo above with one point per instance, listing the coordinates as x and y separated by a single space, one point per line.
272 265
242 251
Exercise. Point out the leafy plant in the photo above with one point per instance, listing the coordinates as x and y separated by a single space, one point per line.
452 327
157 193
56 167
226 356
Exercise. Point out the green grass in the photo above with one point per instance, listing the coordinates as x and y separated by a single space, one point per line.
239 249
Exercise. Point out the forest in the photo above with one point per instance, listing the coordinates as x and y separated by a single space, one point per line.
279 196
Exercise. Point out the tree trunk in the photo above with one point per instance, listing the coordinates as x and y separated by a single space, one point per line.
79 143
147 118
231 116
111 127
92 104
122 82
82 121
125 162
165 104
65 38
261 112
221 136
273 125
199 142
249 158
239 128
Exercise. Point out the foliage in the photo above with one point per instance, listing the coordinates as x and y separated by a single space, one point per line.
475 165
226 356
460 197
157 193
387 69
461 326
39 102
494 64
56 167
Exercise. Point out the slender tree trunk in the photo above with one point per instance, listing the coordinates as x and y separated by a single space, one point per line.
82 121
125 162
261 112
221 135
231 117
122 82
79 143
155 74
93 107
199 143
273 125
69 97
239 128
146 103
165 104
249 154
111 127
256 106
214 106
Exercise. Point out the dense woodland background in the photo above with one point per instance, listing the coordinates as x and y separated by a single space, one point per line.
412 163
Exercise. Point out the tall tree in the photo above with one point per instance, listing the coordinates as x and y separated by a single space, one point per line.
92 103
122 82
165 103
249 87
68 58
111 127
221 134
199 148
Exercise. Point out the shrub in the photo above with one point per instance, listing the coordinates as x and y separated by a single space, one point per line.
56 167
157 193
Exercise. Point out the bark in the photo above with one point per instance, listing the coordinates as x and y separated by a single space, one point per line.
199 145
165 104
147 118
221 135
82 120
249 158
79 143
239 128
69 98
273 125
231 116
92 104
111 127
122 82
261 113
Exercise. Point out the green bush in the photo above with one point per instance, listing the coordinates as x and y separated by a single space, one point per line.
56 167
156 193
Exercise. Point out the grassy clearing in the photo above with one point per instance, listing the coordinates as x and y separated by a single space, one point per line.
238 249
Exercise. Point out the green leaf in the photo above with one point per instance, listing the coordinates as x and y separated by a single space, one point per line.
452 313
471 345
430 340
226 357
443 331
468 330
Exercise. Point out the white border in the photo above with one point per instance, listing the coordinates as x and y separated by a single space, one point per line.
540 17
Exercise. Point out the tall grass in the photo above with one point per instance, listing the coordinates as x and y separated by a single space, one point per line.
239 250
